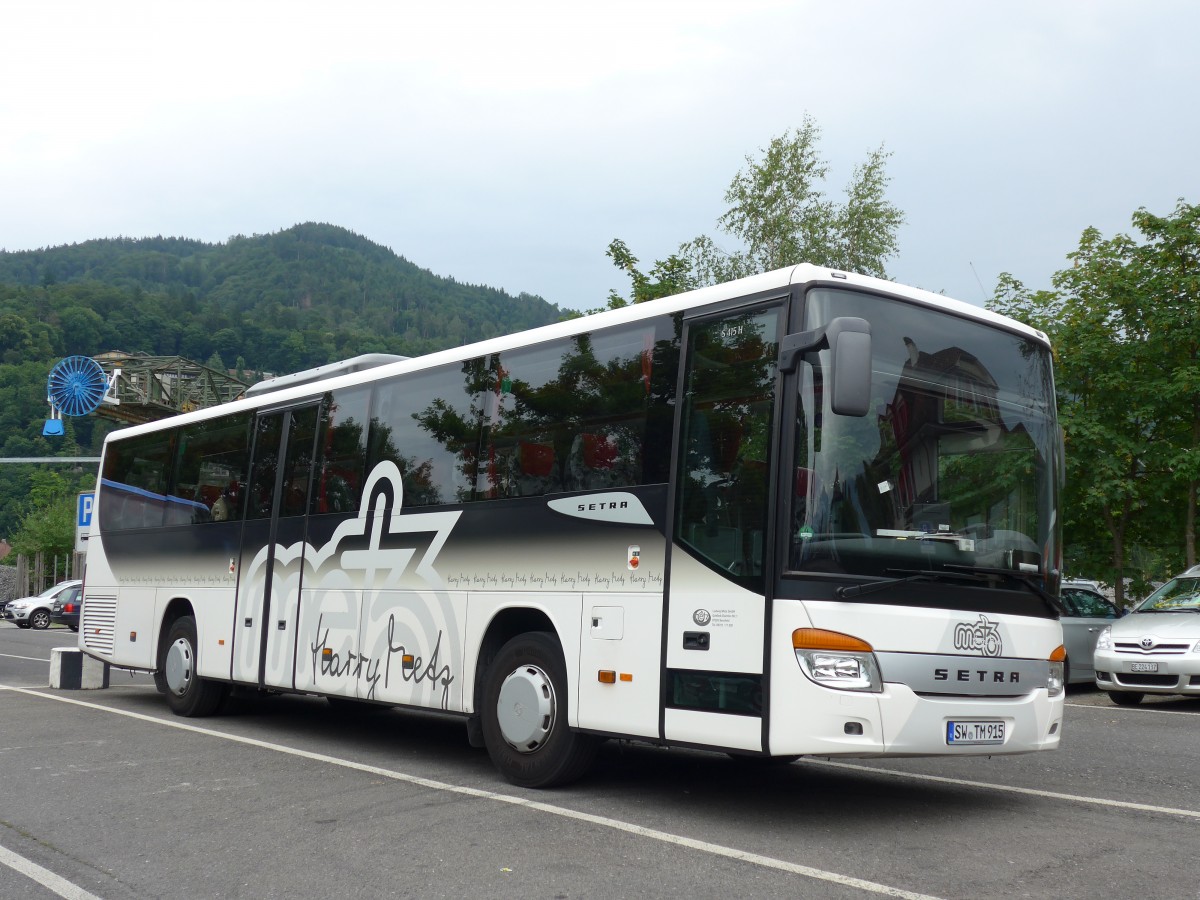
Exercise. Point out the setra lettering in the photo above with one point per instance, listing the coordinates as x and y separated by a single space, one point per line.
980 675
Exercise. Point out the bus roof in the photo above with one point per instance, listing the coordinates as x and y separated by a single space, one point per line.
293 387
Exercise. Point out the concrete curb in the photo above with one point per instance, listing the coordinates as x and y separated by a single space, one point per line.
71 670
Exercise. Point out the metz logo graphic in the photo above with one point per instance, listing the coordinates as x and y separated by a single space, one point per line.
982 636
370 593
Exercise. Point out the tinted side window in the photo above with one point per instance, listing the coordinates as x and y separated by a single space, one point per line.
134 482
346 416
298 464
211 475
585 413
428 425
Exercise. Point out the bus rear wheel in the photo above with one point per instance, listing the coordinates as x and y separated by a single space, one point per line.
524 715
187 693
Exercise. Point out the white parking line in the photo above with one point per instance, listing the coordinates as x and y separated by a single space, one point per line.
30 658
1010 789
44 877
1157 710
602 821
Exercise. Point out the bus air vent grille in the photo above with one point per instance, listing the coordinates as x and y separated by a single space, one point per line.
98 624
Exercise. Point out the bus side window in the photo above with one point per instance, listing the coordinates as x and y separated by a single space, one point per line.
211 462
343 451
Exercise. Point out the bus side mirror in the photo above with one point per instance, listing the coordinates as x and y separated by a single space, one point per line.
850 360
848 339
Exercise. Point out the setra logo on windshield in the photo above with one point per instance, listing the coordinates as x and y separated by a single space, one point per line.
982 636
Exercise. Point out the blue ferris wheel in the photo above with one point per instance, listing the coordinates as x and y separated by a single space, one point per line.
76 387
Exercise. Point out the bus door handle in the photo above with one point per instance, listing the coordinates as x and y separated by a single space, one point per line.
283 624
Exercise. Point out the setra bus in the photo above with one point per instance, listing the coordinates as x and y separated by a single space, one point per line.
806 512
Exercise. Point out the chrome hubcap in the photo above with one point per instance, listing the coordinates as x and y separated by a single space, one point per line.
526 709
180 666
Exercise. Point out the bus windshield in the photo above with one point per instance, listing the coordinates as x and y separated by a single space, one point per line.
956 466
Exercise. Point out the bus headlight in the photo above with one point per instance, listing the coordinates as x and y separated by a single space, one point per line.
1055 684
836 660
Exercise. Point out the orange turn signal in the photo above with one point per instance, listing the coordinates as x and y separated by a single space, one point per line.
1059 654
607 676
820 639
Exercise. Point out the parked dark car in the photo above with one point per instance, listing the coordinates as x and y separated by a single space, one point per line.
66 607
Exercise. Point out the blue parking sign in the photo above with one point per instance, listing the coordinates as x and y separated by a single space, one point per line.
83 512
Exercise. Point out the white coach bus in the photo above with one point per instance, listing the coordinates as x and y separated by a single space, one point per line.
806 512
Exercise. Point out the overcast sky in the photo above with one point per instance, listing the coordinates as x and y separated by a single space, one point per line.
506 143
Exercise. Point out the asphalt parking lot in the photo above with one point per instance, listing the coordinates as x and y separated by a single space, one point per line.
107 795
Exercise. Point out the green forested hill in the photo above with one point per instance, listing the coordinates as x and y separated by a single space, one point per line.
276 303
284 301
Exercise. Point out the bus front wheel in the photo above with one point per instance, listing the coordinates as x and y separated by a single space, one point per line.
524 713
187 693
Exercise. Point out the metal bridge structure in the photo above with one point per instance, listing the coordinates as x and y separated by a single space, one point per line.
149 388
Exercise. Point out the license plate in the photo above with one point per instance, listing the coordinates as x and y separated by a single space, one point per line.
975 732
1143 667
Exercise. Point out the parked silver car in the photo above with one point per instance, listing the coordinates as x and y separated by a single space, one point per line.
1088 614
34 612
1156 648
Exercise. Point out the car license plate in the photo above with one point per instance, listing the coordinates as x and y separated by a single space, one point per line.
1143 667
989 732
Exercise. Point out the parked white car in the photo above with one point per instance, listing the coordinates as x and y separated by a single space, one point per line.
34 612
1156 648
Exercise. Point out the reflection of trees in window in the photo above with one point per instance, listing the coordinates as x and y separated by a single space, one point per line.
342 452
298 470
574 414
431 433
564 415
732 368
266 463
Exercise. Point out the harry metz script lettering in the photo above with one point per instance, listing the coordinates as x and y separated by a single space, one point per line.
361 667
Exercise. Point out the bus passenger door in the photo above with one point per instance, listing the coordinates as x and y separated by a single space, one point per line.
717 608
272 559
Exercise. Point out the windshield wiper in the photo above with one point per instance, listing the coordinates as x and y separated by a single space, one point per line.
858 590
1052 603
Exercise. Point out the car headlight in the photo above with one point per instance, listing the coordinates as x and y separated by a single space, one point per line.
836 660
1104 642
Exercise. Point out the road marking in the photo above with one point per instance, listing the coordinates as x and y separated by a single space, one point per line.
602 821
33 658
1007 788
44 877
1133 709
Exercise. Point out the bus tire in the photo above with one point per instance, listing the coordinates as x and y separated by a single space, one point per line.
187 693
524 715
